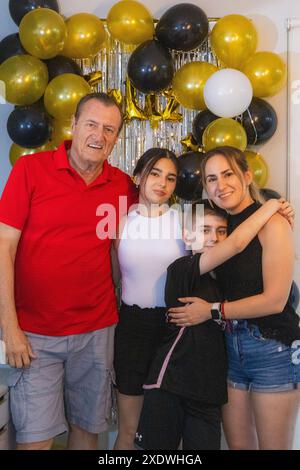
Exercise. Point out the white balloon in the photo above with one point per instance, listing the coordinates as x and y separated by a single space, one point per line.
228 93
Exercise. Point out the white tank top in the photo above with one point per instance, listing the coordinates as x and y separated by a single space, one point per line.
147 247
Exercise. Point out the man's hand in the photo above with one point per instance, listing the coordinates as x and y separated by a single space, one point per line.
195 311
18 349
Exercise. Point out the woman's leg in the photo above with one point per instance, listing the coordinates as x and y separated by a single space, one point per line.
275 417
238 421
129 410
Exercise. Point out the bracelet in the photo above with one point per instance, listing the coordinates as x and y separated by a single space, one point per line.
223 311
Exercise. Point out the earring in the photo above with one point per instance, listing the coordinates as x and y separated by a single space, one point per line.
134 180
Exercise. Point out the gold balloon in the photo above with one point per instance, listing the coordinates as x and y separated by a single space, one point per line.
189 81
267 73
151 110
43 33
170 112
85 36
234 40
258 167
63 93
222 132
130 22
93 78
132 109
116 95
62 130
16 151
25 78
189 144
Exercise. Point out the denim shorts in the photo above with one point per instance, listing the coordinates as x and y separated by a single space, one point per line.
70 381
260 364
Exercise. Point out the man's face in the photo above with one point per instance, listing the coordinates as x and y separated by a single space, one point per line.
95 132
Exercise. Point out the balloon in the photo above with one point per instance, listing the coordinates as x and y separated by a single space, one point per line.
200 123
19 8
132 108
170 113
151 110
16 151
25 79
10 46
268 193
267 73
43 33
189 184
259 121
234 40
60 64
228 93
61 130
150 67
29 126
224 132
189 81
85 36
130 22
63 93
294 296
189 143
258 167
182 27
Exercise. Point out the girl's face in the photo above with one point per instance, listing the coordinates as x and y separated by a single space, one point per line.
224 187
160 183
211 230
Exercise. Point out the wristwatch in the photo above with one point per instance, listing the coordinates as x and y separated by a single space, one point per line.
216 311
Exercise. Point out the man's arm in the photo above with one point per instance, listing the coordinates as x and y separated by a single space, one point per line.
18 349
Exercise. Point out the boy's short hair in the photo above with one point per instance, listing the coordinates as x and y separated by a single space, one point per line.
208 209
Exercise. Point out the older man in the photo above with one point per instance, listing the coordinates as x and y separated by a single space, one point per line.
57 301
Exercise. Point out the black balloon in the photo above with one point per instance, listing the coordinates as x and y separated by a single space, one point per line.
10 46
29 126
294 296
200 123
19 8
183 27
61 64
189 184
150 67
268 193
264 122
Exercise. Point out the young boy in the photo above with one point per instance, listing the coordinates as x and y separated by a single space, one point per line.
186 386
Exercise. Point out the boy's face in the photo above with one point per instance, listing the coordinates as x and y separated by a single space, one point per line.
209 231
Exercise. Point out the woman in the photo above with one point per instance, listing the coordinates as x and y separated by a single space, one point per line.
149 240
263 333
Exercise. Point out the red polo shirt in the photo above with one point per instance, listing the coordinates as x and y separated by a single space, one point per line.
63 281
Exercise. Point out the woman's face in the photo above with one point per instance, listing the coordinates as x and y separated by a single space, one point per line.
224 187
160 183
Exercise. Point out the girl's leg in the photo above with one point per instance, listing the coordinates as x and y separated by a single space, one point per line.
129 410
238 421
275 417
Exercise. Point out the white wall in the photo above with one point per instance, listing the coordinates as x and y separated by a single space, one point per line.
269 17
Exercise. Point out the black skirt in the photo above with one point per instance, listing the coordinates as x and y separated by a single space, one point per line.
138 334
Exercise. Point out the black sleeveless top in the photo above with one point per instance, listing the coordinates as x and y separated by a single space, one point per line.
241 276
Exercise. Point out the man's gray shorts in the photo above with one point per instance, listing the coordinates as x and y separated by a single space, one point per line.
70 381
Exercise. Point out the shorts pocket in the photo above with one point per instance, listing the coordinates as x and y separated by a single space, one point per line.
256 334
18 405
111 399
